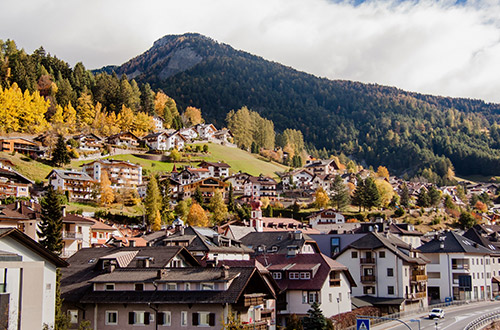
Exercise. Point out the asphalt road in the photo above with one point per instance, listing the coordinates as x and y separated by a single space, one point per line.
456 318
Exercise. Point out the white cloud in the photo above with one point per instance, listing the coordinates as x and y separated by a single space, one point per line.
424 46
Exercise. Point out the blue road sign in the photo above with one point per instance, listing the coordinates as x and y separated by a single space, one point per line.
362 324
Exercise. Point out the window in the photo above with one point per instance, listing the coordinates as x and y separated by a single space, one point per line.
164 318
335 245
109 287
369 290
330 297
184 319
390 289
187 286
305 275
294 275
309 297
139 286
139 317
207 286
340 296
111 318
73 316
381 254
390 272
277 275
171 286
354 254
204 319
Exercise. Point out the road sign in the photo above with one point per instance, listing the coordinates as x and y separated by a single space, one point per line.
362 324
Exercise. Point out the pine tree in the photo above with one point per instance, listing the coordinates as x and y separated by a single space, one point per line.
315 320
60 155
231 207
434 196
152 201
50 226
404 197
423 199
340 194
198 196
358 198
372 195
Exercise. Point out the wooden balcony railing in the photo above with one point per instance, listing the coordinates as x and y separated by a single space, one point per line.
368 279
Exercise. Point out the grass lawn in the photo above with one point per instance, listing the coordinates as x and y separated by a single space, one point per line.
240 160
114 208
31 169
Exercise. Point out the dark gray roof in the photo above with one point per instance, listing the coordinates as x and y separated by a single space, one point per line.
373 241
244 281
83 265
453 243
280 240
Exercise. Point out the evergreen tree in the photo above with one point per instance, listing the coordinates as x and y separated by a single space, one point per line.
60 155
434 196
50 226
61 319
165 201
467 220
423 199
340 194
147 99
315 320
231 206
404 197
153 200
372 195
198 196
358 198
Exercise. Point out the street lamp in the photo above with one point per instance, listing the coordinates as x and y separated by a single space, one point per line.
415 320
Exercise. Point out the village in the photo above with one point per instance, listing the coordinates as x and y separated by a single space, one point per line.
292 250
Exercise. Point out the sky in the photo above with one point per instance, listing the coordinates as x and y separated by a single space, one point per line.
444 48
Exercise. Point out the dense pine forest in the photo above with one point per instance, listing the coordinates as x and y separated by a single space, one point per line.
375 125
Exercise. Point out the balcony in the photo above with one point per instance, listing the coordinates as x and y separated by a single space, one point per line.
72 235
419 278
335 282
367 260
368 279
416 296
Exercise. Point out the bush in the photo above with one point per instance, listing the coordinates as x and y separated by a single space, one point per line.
399 212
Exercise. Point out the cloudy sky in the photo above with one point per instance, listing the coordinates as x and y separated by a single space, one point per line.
439 47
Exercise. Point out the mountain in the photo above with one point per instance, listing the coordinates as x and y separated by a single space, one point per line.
376 125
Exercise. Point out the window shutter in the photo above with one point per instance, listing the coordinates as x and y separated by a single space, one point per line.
211 319
146 318
131 317
160 317
195 318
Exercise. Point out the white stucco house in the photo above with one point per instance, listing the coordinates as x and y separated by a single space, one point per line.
27 282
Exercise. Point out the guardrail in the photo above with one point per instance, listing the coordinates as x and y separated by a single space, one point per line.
399 315
482 321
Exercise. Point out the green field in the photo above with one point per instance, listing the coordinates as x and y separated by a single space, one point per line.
238 159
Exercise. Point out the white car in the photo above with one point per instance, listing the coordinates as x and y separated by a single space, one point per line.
436 313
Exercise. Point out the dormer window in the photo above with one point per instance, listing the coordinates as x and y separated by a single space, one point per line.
171 286
277 275
109 287
207 286
305 276
293 275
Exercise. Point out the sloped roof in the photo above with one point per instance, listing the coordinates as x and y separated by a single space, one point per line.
14 176
32 245
70 175
453 243
373 241
241 276
279 239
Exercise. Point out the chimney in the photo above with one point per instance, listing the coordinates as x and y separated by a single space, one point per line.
224 272
63 209
162 273
298 235
131 243
18 205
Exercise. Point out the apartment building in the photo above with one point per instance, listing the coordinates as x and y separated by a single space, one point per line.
78 186
121 174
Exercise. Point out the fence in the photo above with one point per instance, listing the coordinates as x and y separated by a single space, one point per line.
400 315
483 321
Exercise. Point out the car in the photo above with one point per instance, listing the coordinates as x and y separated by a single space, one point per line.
436 313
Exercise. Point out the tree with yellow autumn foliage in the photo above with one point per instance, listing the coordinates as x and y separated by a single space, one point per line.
197 216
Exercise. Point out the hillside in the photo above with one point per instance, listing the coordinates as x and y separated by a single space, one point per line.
239 160
376 125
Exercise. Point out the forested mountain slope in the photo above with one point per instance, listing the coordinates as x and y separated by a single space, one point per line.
408 132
